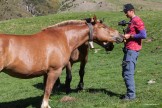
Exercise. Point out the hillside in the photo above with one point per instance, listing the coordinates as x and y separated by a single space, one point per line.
107 5
10 9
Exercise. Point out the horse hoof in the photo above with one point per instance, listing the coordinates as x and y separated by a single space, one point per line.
45 106
80 87
68 91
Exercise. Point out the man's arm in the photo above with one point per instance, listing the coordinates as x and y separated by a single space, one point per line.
141 35
139 25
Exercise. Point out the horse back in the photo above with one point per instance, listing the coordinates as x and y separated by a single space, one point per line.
31 55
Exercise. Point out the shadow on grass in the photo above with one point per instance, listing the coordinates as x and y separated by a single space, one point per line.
61 88
33 102
57 89
107 92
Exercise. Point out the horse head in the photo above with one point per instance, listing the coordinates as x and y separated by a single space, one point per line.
100 32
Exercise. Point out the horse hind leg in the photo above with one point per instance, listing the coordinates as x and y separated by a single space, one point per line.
52 75
57 84
81 74
68 77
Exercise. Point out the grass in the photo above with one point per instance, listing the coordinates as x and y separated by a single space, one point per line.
18 8
103 80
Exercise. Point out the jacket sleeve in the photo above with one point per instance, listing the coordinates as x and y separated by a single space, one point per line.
141 35
139 25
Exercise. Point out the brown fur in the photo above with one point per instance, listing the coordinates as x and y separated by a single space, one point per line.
48 52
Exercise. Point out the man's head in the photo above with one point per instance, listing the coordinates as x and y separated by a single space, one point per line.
129 10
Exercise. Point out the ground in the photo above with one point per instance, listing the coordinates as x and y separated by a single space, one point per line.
27 8
107 5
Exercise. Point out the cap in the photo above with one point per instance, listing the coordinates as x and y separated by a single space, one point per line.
127 7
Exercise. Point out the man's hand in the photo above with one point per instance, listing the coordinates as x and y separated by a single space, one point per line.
127 36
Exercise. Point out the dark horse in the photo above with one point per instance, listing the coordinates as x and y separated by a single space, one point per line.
24 56
80 55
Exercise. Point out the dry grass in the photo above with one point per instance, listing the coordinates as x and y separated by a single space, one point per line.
67 99
109 5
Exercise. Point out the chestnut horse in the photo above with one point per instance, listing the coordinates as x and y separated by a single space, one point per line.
24 57
80 55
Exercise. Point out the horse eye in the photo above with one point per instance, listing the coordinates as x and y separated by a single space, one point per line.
103 26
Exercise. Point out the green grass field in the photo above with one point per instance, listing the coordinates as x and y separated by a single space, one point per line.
103 80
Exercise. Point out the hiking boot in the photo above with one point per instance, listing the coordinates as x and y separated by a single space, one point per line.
126 98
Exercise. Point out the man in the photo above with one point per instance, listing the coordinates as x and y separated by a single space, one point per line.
135 32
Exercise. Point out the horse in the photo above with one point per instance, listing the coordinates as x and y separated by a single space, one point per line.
79 55
23 56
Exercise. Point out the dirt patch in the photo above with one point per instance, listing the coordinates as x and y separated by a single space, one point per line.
67 99
87 5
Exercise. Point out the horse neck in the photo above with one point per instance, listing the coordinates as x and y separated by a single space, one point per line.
77 36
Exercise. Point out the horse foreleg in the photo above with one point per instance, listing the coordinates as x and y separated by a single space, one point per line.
68 77
52 76
81 74
57 83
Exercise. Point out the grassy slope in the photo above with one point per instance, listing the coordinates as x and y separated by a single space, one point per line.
103 81
11 9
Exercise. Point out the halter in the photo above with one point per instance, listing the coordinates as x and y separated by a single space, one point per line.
90 35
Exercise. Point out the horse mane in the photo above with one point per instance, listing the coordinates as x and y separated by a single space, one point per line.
64 23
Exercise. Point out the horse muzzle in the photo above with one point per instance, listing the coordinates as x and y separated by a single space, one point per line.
119 39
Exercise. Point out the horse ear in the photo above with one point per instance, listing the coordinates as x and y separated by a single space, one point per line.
88 20
101 21
94 19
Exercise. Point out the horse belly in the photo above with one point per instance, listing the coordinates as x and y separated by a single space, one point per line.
25 70
24 74
27 64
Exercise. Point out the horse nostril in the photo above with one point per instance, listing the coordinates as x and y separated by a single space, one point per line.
119 40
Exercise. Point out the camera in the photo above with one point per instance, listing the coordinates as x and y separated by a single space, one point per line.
123 23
